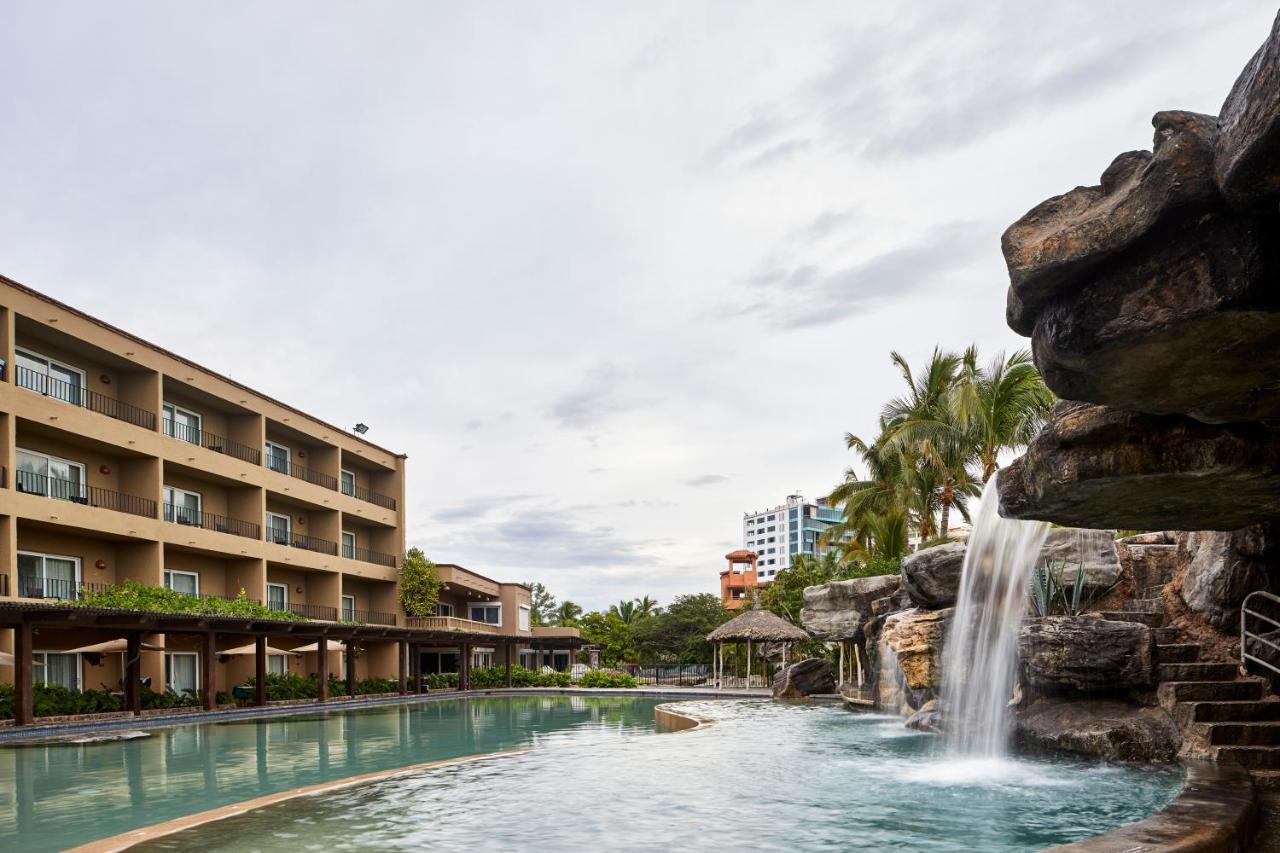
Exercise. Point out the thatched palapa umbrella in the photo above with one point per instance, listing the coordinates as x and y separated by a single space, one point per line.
754 626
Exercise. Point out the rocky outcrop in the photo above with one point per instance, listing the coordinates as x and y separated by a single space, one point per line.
1085 655
1095 466
1107 729
1223 568
838 610
931 576
916 638
927 719
1093 551
803 679
1246 162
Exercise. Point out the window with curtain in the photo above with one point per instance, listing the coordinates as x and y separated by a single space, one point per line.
180 671
488 613
58 668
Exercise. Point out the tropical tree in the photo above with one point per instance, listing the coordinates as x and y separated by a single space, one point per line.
419 587
542 604
1004 405
678 633
647 606
624 610
611 633
566 614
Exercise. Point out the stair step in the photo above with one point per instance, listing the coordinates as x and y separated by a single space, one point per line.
1268 779
1245 690
1143 605
1236 712
1178 652
1154 620
1156 592
1244 734
1198 671
1260 757
1167 635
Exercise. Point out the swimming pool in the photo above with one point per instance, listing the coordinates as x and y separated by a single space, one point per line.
764 776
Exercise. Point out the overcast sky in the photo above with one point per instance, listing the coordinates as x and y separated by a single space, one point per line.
610 274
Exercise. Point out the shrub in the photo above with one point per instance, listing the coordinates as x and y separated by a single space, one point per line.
606 678
419 586
54 700
441 680
132 595
493 677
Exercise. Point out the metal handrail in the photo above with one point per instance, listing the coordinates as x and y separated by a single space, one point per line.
76 395
291 469
315 611
179 514
28 482
298 540
361 493
211 441
1246 635
368 555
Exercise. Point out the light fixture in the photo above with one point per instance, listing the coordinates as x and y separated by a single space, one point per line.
361 429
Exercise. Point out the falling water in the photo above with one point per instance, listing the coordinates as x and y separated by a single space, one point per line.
980 657
891 688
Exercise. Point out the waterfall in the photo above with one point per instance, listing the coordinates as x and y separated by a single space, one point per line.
891 689
980 658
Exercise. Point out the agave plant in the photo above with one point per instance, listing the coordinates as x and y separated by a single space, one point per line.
1051 595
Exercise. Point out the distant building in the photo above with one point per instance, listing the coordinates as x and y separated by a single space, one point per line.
776 535
738 579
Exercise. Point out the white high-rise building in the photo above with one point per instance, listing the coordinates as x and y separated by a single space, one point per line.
778 534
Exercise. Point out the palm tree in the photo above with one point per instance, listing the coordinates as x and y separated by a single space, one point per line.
566 614
624 610
1004 405
647 607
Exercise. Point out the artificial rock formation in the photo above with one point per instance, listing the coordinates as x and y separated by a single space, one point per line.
1108 729
931 576
1223 568
838 610
916 637
1090 551
803 679
1085 655
1246 163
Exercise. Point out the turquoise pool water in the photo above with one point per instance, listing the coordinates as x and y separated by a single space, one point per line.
764 777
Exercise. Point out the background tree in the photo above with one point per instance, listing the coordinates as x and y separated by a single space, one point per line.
542 604
1004 405
647 606
566 614
419 585
624 610
612 634
678 633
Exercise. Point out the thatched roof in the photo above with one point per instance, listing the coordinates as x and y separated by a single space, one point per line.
759 626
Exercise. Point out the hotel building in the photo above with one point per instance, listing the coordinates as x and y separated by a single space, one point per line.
777 535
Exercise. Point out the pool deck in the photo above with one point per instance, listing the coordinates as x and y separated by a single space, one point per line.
38 734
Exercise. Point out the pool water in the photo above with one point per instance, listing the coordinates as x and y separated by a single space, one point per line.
764 776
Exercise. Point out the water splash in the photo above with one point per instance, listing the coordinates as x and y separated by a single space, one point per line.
891 689
980 658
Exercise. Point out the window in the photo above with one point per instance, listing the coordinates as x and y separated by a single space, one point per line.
277 596
482 657
277 457
348 482
523 625
348 545
182 506
57 668
49 377
42 474
48 575
443 608
277 664
181 671
181 424
187 583
489 612
349 608
277 528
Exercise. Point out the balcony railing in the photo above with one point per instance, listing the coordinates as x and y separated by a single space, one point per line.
210 596
76 395
4 585
211 521
315 611
369 617
306 543
451 623
33 586
361 493
298 472
366 555
79 493
210 441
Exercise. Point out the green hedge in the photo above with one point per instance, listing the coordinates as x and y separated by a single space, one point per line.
491 677
54 700
132 595
292 686
606 678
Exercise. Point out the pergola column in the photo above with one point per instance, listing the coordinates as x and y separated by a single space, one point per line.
133 673
260 670
351 667
511 653
402 662
24 691
208 659
415 666
322 667
464 667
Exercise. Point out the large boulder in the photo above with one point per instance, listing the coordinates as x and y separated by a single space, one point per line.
838 610
1078 548
1222 568
916 638
1092 466
803 679
1246 161
1107 729
931 576
1085 655
1059 244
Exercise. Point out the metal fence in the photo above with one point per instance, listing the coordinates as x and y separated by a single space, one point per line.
1260 633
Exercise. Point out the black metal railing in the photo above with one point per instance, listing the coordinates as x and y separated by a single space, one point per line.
371 617
76 395
211 521
33 586
366 555
4 585
211 441
315 611
292 469
361 493
675 675
31 483
306 543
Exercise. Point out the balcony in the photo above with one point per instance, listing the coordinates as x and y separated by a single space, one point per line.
33 586
451 623
366 555
211 521
78 493
369 617
321 612
210 441
67 392
306 543
363 494
291 469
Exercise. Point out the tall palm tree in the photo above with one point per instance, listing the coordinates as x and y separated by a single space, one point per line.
566 614
1004 405
647 607
624 610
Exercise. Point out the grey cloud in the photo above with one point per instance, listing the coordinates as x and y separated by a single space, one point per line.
591 403
474 509
706 480
824 225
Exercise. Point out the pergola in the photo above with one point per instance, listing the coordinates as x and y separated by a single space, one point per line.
26 617
754 626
